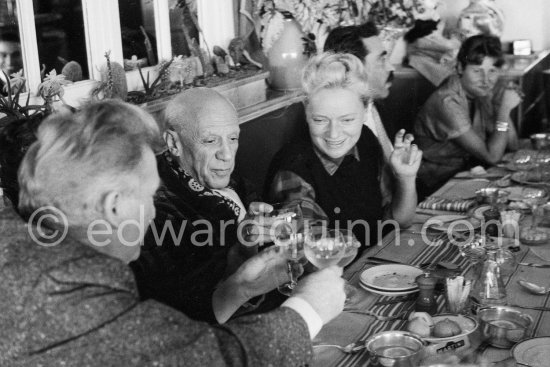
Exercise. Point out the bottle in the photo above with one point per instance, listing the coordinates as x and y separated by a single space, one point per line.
426 300
490 288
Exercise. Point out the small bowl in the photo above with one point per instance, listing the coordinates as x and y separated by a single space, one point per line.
395 348
503 326
487 195
540 141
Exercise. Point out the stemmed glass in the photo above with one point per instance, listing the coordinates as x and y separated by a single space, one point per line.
352 247
324 247
289 234
534 197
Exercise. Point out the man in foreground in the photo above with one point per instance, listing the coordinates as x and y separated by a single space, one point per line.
68 297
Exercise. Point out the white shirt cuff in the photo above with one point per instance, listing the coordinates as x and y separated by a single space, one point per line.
310 316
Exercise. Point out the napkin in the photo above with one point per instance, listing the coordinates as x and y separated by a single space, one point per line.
439 203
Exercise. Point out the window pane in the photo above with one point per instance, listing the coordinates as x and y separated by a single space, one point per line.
137 23
61 38
181 22
11 59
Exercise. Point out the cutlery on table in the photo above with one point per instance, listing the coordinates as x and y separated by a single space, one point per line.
452 219
534 265
379 260
535 308
533 288
349 349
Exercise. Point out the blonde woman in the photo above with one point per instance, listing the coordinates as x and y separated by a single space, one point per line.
335 173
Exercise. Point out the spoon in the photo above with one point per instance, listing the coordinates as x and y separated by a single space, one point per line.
533 288
348 349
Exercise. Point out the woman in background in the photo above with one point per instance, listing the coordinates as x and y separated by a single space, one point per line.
466 121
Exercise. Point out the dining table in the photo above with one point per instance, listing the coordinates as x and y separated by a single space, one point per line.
413 246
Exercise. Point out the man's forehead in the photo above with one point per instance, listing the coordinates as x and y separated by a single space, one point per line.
8 46
217 122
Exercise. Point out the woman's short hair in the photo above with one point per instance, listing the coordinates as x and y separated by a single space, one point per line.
79 158
476 48
336 70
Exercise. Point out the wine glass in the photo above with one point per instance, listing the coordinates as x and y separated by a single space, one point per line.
534 197
288 235
324 247
352 248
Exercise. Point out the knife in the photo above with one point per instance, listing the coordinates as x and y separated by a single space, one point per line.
534 265
536 308
379 260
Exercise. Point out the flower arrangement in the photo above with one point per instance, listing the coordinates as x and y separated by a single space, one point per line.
318 17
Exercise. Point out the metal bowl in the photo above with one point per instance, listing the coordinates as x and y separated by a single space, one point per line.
492 195
503 326
540 141
395 348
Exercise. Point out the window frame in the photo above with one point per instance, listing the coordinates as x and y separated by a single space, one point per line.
101 22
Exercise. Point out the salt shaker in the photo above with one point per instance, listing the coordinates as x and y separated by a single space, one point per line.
426 300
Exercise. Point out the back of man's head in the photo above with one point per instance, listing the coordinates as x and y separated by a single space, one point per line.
350 39
192 106
80 157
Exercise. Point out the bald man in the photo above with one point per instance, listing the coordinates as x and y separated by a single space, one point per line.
193 243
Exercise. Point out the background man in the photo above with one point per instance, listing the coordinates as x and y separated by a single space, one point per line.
10 56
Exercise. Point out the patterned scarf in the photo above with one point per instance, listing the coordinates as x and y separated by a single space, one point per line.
208 204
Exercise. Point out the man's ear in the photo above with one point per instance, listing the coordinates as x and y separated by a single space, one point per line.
172 142
112 208
459 69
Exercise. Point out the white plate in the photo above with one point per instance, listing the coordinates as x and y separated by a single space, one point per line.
533 352
467 325
391 277
529 178
458 223
387 293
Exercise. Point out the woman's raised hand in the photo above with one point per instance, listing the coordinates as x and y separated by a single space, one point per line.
406 157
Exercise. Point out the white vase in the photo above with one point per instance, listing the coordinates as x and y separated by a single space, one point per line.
286 57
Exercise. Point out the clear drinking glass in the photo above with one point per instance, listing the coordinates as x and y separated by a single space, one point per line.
289 234
534 197
352 248
324 247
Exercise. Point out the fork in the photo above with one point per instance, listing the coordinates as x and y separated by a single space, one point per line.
348 349
380 317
